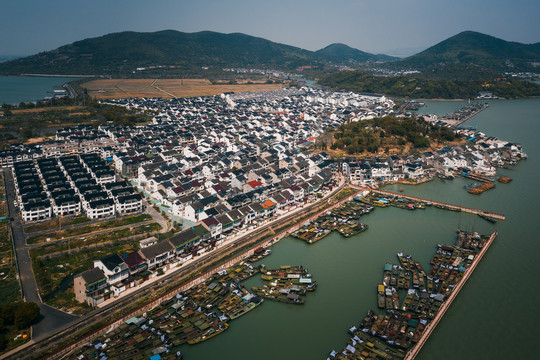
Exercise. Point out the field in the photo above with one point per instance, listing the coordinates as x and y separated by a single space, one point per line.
168 88
9 285
51 108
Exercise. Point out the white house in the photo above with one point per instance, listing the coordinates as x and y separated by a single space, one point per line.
113 267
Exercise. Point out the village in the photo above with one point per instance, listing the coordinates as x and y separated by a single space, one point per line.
216 168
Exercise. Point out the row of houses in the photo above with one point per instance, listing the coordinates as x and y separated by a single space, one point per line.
217 156
481 155
114 273
68 142
71 185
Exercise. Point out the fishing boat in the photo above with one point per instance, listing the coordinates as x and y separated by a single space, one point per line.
488 218
387 274
258 254
380 296
210 333
395 299
471 186
404 260
246 308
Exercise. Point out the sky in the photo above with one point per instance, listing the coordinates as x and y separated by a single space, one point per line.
397 27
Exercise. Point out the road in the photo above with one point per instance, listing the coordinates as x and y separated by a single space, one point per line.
51 319
156 216
62 324
72 92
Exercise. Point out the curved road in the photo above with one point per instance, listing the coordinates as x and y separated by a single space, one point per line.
50 319
54 320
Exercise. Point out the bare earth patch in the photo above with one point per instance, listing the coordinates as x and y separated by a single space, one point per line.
167 88
43 109
38 139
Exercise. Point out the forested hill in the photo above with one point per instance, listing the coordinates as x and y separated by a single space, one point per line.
388 134
122 53
457 68
341 53
421 88
473 48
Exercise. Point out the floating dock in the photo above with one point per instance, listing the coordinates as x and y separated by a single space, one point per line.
459 117
406 326
431 326
443 205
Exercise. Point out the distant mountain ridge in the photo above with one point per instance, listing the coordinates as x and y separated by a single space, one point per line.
474 48
121 53
338 52
466 55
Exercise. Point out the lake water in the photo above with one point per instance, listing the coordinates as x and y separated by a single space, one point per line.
495 315
14 89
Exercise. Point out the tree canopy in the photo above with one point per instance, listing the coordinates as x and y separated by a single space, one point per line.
383 133
417 87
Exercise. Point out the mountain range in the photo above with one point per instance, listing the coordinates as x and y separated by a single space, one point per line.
122 53
477 49
342 54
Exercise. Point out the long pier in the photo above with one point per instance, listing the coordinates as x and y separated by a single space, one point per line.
445 205
411 354
454 123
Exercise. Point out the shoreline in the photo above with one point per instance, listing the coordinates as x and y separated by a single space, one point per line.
53 75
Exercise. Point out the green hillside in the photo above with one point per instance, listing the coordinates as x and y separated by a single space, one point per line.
122 53
483 51
419 87
341 53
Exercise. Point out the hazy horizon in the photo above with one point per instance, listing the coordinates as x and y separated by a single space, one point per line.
401 27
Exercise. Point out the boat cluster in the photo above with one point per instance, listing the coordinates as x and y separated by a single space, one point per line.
411 298
343 219
199 313
195 315
287 284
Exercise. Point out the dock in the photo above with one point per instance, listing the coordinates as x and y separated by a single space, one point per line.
431 326
406 326
459 117
443 205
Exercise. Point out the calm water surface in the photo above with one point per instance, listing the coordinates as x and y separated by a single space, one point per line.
14 89
495 315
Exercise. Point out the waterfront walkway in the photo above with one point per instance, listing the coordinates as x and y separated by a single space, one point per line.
431 326
200 263
439 203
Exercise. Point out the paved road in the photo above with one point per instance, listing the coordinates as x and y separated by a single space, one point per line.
51 319
72 92
156 216
167 280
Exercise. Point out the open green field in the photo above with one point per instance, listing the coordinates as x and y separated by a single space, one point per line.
87 229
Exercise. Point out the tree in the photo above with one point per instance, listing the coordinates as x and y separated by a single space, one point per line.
3 342
27 132
7 313
26 314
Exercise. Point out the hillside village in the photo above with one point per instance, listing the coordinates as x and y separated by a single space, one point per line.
217 166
